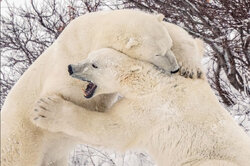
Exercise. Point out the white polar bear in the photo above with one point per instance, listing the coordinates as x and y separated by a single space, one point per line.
187 50
177 120
137 34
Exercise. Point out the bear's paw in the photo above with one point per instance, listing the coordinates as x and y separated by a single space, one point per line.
47 113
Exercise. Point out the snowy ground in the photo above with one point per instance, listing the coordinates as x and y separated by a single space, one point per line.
89 156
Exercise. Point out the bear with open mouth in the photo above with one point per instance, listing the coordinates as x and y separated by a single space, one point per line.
178 121
135 33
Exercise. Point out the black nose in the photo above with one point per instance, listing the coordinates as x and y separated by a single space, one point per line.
175 71
70 70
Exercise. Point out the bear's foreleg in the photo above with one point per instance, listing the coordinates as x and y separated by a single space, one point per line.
55 114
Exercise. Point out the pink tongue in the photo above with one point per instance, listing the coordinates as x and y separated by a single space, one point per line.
84 93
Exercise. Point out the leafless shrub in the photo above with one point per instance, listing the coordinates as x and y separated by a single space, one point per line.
89 156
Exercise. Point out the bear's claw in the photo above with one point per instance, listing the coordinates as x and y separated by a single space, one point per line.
191 73
45 112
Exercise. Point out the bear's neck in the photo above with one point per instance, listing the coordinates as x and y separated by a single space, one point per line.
141 84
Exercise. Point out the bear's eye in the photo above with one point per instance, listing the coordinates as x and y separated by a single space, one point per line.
157 55
94 66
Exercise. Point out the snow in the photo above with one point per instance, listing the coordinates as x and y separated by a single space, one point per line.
92 156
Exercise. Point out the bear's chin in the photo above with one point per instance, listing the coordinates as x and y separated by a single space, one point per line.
90 90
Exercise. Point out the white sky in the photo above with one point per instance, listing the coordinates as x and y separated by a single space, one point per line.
16 2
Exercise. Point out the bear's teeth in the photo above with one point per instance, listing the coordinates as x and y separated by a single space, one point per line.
90 89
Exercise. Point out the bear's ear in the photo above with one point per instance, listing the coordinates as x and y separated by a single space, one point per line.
136 69
131 42
160 17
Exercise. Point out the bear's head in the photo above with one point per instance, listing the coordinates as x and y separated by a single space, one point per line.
139 35
99 71
109 71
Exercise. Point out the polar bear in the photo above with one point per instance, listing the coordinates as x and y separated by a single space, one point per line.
187 50
135 33
177 120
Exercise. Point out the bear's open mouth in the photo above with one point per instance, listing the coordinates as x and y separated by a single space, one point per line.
91 87
90 90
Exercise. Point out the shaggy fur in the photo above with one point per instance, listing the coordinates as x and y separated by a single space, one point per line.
177 120
137 34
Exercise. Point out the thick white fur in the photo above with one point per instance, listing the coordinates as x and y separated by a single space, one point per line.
177 120
22 142
187 50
